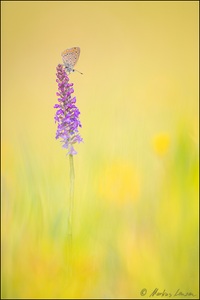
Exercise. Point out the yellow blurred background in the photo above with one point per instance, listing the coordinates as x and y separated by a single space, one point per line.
136 174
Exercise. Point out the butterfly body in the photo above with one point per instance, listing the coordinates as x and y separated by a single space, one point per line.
70 58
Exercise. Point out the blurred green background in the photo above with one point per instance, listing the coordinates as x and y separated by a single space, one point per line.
136 174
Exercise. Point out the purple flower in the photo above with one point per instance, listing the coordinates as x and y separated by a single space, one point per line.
67 114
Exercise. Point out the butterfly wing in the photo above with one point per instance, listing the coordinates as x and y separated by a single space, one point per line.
70 57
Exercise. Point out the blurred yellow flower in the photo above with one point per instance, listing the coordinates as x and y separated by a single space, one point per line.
161 143
119 183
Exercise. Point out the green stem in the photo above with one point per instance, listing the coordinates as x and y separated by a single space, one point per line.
70 213
71 195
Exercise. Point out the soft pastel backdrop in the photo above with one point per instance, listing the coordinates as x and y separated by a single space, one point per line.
136 174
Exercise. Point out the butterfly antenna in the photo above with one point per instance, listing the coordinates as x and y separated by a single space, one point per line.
77 71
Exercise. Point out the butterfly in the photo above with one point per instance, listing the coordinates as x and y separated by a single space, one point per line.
70 58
